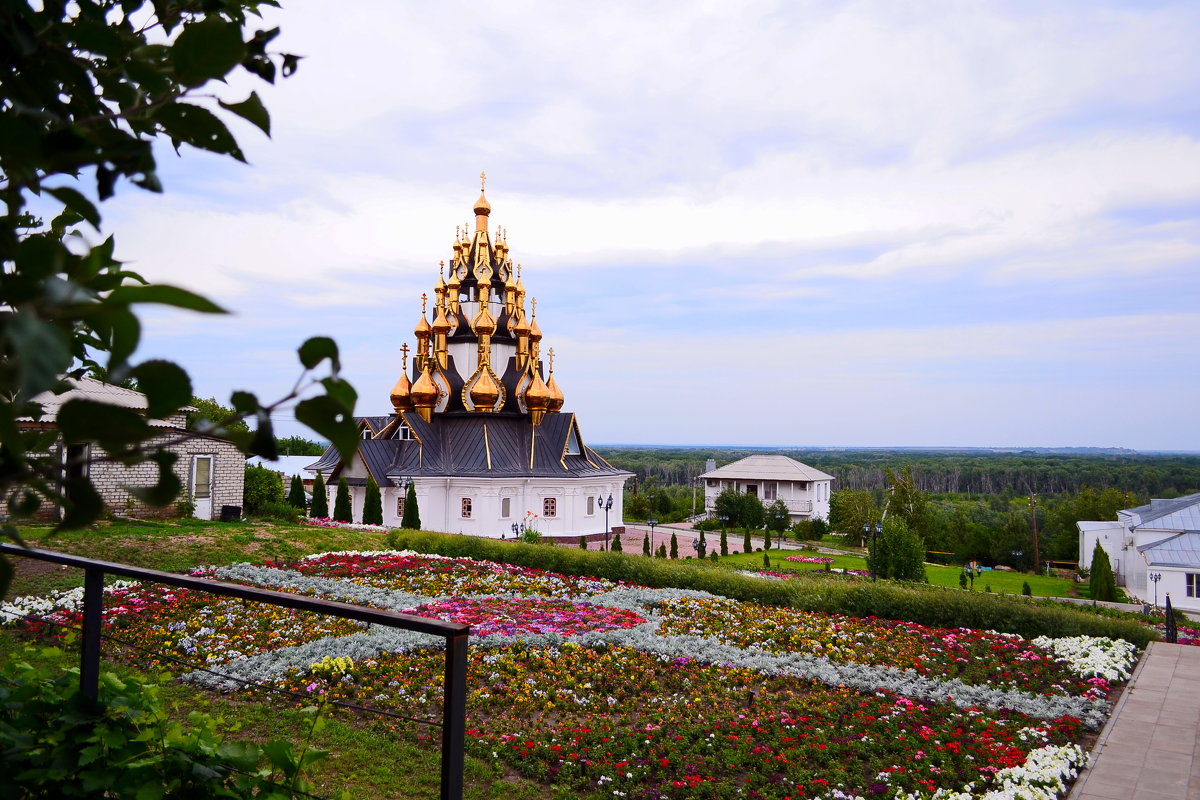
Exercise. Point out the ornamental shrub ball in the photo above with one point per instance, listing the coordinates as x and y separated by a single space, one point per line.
342 511
320 500
295 496
372 504
412 514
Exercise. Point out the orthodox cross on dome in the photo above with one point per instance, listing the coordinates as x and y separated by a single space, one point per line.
404 353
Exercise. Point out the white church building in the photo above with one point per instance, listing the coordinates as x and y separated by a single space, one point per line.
478 427
1161 538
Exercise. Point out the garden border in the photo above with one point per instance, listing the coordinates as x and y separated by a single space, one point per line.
454 706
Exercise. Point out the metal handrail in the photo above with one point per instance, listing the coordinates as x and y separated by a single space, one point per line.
454 704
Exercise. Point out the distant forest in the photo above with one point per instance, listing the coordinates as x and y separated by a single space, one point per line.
1004 474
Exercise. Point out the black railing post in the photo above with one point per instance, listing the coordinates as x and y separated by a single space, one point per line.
93 613
454 717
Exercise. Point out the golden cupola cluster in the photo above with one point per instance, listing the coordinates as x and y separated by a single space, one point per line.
478 351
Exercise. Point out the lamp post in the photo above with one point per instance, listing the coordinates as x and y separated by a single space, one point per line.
516 529
652 523
1155 577
607 506
780 516
876 532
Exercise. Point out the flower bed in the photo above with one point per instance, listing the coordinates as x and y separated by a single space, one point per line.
810 559
626 691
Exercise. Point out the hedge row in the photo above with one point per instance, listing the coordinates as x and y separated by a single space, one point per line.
933 606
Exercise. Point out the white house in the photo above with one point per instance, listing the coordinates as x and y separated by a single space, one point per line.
1159 539
803 489
478 428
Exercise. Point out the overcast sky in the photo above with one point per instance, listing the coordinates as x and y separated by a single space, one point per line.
792 223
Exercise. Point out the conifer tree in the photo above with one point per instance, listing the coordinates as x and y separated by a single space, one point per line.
1103 584
583 543
767 539
342 511
724 544
766 560
320 501
674 546
662 551
412 515
617 548
296 494
372 504
747 546
703 546
646 544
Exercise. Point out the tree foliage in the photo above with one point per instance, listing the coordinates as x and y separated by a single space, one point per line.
850 510
211 415
296 496
299 446
899 553
342 510
777 516
372 504
263 487
1103 583
85 91
906 501
320 498
411 518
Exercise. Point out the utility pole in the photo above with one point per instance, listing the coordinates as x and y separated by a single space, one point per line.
1037 558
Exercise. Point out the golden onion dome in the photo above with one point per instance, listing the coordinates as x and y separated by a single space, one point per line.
535 333
482 206
556 396
484 323
401 395
537 396
519 325
440 287
441 323
485 392
422 330
424 392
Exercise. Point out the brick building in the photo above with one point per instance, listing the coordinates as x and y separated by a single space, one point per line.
212 470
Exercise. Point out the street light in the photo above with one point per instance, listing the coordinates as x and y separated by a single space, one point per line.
652 523
875 533
516 529
780 516
1155 577
607 506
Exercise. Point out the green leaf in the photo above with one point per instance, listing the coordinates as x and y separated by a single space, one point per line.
125 330
112 427
150 791
281 755
75 201
340 391
166 385
331 419
316 350
40 351
252 110
165 295
168 487
207 49
242 755
198 127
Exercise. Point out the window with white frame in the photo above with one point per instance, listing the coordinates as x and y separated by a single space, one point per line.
1193 584
768 490
466 508
505 507
550 507
400 506
591 506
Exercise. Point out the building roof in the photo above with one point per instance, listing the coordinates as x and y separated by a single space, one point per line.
288 465
1179 550
1085 525
97 392
474 445
1179 514
767 468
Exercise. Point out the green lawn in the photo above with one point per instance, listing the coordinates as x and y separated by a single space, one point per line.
995 581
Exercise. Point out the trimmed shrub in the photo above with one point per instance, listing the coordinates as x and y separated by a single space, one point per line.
263 486
583 543
617 546
724 544
295 496
320 498
342 512
747 546
372 504
283 512
411 518
920 603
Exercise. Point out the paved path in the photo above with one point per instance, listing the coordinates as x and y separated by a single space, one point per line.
1150 748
